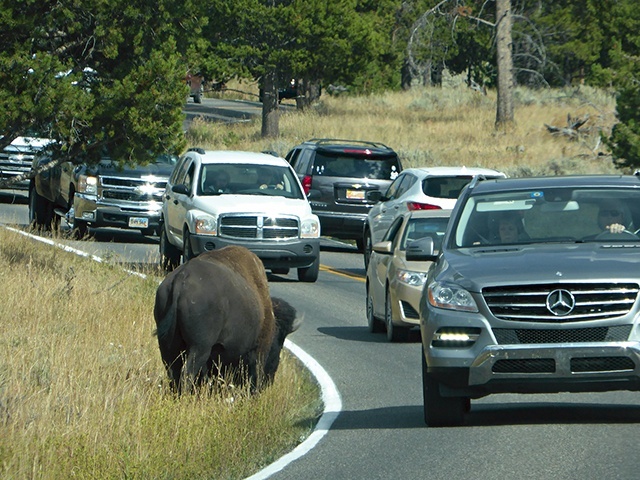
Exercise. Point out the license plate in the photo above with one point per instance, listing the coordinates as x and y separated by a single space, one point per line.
138 222
355 194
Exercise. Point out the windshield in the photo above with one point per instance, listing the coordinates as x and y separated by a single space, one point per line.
552 215
244 179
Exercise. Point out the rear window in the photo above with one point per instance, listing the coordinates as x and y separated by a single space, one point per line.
445 187
375 167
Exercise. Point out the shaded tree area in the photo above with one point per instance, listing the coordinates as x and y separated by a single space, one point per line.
86 75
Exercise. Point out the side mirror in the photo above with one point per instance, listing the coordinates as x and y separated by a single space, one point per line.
183 189
374 196
421 250
382 247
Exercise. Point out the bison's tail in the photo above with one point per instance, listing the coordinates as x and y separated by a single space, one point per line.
285 314
166 326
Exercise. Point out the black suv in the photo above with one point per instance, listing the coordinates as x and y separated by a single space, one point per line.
337 175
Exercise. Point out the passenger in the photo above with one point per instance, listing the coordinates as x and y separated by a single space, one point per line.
267 179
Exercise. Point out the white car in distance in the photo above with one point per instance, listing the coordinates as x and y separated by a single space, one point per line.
425 188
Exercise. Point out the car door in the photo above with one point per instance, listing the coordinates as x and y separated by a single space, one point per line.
378 267
177 204
386 211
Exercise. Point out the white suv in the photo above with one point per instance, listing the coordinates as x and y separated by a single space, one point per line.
219 198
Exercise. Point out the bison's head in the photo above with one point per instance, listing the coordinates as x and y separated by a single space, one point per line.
286 323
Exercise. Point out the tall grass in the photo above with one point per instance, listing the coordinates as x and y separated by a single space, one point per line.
84 394
448 125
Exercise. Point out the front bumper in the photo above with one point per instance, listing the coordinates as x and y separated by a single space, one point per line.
488 367
145 216
297 253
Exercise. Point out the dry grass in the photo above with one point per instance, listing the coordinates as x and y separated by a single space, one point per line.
83 392
452 125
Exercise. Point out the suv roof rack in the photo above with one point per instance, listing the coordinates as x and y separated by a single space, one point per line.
338 141
197 150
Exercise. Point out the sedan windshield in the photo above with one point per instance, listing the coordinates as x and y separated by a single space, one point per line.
552 215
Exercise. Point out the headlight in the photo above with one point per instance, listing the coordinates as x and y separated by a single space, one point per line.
451 297
310 229
415 279
206 225
88 184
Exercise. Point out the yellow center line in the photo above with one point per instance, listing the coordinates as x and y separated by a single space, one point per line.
354 276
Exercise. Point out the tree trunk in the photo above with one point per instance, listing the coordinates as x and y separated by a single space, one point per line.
270 112
504 114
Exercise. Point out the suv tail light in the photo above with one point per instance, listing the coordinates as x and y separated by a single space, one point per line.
422 206
306 184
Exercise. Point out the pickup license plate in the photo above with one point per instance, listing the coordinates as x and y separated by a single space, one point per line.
355 194
138 222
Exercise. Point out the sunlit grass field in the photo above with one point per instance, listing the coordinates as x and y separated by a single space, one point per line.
84 394
450 125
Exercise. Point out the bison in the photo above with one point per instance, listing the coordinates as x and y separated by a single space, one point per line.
214 315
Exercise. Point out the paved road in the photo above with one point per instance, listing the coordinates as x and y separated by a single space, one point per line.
380 434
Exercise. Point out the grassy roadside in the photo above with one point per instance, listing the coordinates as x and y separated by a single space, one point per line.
83 392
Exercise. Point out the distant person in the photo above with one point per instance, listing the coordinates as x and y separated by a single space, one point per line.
267 179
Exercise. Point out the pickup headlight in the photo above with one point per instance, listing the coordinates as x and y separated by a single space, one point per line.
88 184
310 228
450 297
415 279
206 225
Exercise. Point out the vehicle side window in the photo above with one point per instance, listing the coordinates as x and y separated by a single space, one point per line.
394 188
408 182
179 170
304 160
188 178
392 233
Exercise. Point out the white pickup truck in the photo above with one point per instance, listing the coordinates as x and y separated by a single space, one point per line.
219 198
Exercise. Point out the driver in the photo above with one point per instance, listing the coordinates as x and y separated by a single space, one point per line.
612 218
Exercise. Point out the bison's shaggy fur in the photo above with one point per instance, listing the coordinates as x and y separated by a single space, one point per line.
214 315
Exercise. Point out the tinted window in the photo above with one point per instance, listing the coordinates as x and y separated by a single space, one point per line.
445 187
376 168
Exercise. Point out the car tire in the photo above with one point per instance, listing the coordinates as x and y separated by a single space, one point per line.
187 249
440 411
310 274
169 254
394 332
367 248
374 323
40 211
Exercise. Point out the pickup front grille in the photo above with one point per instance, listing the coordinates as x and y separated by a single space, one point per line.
258 227
561 303
136 190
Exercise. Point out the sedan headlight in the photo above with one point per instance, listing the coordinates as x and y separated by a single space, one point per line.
88 184
310 228
451 297
206 225
415 279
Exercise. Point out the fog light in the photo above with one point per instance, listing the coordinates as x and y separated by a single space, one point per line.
88 215
455 337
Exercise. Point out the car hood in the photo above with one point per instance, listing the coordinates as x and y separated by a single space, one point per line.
476 268
27 144
262 204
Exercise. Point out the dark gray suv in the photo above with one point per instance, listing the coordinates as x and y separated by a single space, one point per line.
337 175
535 290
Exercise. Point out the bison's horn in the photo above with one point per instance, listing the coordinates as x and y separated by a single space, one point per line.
297 323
